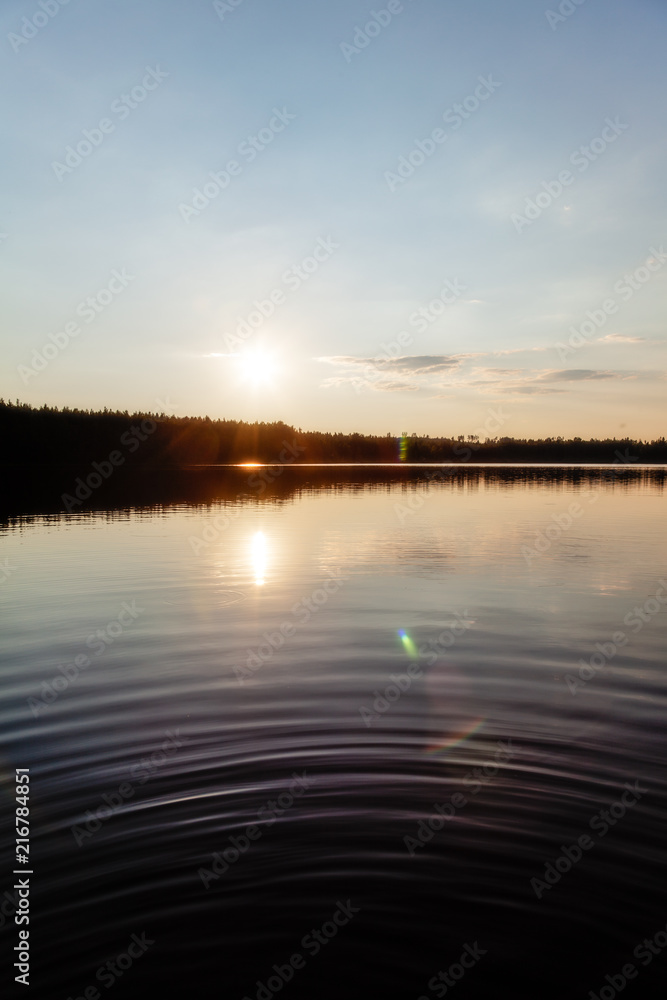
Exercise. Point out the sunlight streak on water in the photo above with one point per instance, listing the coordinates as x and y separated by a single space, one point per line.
259 552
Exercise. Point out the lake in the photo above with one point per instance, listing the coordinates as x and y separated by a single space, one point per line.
341 733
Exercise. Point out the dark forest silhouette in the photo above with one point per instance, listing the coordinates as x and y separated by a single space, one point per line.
72 437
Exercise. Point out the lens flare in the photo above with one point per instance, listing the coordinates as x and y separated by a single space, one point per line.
408 644
466 731
457 738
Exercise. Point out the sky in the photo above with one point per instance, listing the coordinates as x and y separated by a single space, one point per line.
421 216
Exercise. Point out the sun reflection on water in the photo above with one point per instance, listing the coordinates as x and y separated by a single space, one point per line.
259 557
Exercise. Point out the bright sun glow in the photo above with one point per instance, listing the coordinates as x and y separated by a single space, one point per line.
258 367
259 557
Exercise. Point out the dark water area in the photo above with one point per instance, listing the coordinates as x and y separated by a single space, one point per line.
43 489
367 731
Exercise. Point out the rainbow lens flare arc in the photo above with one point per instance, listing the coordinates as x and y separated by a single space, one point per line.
466 731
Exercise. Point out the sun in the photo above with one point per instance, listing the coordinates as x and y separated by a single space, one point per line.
258 367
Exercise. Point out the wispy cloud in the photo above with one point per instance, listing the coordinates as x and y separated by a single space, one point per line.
451 372
530 390
423 363
619 338
405 374
518 350
524 382
580 375
379 385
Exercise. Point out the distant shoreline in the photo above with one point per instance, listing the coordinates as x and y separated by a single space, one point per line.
619 470
433 465
84 439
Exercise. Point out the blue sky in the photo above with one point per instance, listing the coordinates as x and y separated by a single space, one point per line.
317 225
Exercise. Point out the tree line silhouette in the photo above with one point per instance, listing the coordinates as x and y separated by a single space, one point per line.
52 436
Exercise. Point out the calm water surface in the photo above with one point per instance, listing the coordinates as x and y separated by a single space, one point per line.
419 656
